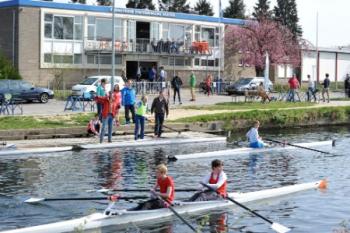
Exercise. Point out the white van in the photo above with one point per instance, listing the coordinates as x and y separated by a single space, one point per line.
91 83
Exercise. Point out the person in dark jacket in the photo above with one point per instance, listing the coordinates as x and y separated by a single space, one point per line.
347 85
176 84
160 108
326 83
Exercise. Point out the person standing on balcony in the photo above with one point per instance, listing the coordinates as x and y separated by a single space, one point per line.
100 92
128 101
193 86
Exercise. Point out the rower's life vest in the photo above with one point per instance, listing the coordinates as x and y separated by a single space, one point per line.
222 189
141 109
163 187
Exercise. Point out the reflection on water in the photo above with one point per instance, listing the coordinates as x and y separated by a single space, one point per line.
70 175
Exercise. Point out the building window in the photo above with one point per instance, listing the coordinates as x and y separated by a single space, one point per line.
48 25
63 27
77 59
196 61
91 59
208 35
78 28
47 57
63 59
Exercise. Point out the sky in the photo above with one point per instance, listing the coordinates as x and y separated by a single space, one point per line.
333 19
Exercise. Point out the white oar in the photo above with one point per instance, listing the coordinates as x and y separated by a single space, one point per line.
38 199
275 226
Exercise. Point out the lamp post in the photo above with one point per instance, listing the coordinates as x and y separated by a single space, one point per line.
113 46
220 40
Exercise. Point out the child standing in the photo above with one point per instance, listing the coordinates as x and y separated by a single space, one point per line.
141 110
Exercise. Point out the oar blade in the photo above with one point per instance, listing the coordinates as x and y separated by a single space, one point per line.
34 200
279 228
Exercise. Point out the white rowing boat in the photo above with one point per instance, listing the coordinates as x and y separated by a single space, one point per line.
123 217
41 150
246 150
152 142
6 146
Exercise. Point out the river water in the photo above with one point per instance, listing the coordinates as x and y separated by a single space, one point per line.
71 174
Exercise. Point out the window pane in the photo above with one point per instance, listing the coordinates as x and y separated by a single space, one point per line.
48 30
197 37
64 59
198 28
103 29
91 59
77 58
203 62
177 33
217 62
48 17
47 57
208 35
107 60
91 20
210 62
91 32
78 19
58 27
68 28
78 32
118 59
196 62
179 62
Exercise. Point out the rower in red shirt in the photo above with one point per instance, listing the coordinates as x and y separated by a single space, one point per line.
217 179
166 187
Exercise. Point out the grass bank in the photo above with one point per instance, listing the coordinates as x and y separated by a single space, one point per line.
35 122
277 117
249 106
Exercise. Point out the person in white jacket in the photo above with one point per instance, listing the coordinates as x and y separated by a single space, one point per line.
255 141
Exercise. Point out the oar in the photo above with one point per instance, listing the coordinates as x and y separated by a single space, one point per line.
105 190
174 211
38 199
302 147
172 129
275 226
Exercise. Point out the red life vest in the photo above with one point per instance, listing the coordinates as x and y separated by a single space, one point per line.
222 189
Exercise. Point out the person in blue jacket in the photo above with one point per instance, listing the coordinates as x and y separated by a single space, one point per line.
128 101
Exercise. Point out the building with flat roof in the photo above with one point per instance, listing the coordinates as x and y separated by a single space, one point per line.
42 38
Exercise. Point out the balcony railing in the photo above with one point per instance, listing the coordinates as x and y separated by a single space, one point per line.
150 46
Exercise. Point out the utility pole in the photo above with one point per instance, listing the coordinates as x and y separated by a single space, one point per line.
220 41
113 46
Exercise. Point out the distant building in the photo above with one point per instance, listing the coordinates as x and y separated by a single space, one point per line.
43 38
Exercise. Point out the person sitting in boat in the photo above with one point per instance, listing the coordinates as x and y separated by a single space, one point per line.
166 187
94 126
254 139
217 179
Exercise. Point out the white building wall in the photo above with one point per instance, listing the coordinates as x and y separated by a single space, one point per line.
308 65
327 65
343 65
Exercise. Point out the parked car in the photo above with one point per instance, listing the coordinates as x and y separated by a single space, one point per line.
243 84
21 90
91 83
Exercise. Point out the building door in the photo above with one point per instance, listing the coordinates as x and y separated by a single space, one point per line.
142 36
132 68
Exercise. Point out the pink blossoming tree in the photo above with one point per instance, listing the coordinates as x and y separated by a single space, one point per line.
254 39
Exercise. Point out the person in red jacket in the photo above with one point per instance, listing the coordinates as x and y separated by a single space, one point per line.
111 105
217 180
293 86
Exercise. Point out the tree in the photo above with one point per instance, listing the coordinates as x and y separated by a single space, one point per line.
174 5
262 10
204 8
236 9
104 2
7 70
256 38
287 14
140 4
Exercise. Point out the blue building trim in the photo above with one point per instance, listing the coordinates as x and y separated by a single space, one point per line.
129 11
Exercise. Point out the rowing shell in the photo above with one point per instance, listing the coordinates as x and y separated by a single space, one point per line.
245 150
42 150
118 144
153 142
123 217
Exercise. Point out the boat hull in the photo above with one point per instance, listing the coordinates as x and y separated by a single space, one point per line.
124 217
246 150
